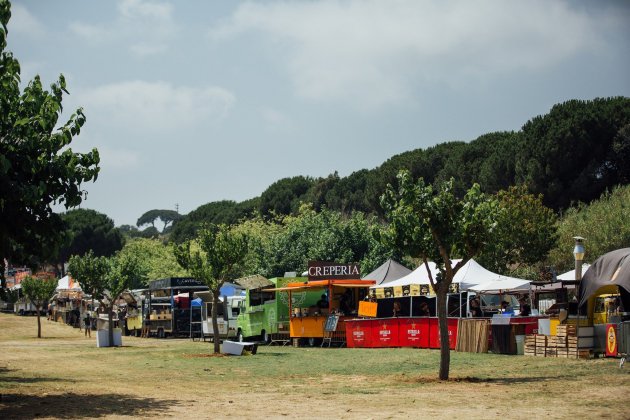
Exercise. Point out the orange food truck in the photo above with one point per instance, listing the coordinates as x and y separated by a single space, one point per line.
341 289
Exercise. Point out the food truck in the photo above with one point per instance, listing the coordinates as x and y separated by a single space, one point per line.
167 306
264 313
227 314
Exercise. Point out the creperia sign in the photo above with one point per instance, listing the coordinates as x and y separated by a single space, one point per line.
320 270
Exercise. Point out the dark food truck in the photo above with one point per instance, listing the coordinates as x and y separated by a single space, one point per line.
167 307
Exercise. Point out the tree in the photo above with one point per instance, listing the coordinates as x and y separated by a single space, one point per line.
89 230
220 250
37 166
605 224
568 154
166 216
434 225
106 278
284 196
218 212
525 233
157 260
38 291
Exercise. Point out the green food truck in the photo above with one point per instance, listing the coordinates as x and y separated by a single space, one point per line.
264 314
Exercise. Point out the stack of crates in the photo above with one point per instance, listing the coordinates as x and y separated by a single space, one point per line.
530 345
564 344
563 332
541 345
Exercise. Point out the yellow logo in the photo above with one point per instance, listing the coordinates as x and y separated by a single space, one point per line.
611 343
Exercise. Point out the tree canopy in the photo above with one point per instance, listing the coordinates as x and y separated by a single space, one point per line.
37 166
605 224
217 257
156 259
525 232
434 225
166 217
88 230
106 278
38 291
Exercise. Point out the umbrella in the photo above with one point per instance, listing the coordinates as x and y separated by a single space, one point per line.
611 269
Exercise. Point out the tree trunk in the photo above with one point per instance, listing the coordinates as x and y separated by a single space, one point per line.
445 351
39 324
215 322
110 318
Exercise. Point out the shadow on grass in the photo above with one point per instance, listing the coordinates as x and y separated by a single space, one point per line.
6 377
70 405
498 381
271 353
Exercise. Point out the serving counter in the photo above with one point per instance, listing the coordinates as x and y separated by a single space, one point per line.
420 332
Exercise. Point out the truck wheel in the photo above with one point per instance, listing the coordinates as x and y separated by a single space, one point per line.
239 336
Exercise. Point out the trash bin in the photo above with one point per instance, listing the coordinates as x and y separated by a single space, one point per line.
520 344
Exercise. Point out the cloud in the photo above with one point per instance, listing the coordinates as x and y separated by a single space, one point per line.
117 158
23 23
275 119
133 9
145 27
374 53
154 106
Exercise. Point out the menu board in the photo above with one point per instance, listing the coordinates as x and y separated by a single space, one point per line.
331 323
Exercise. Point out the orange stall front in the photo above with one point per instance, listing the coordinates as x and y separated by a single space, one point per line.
340 297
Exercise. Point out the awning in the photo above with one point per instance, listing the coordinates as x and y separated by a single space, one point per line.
254 282
323 284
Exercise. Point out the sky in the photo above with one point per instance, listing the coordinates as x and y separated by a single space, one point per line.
196 101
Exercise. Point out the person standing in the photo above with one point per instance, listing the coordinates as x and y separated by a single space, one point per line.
88 324
526 309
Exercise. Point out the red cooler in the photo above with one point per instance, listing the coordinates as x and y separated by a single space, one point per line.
611 340
413 332
359 333
385 332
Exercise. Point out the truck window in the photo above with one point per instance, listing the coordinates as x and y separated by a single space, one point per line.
260 296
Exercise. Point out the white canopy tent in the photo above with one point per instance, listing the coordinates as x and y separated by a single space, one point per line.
570 275
468 277
502 284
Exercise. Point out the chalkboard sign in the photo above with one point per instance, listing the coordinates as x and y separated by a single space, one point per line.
331 323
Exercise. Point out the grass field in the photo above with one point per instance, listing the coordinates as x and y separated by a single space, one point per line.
64 375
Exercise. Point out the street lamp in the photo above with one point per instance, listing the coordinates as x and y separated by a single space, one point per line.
578 253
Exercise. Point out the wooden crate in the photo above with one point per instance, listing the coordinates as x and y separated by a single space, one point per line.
560 352
561 342
550 352
551 341
565 330
541 340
